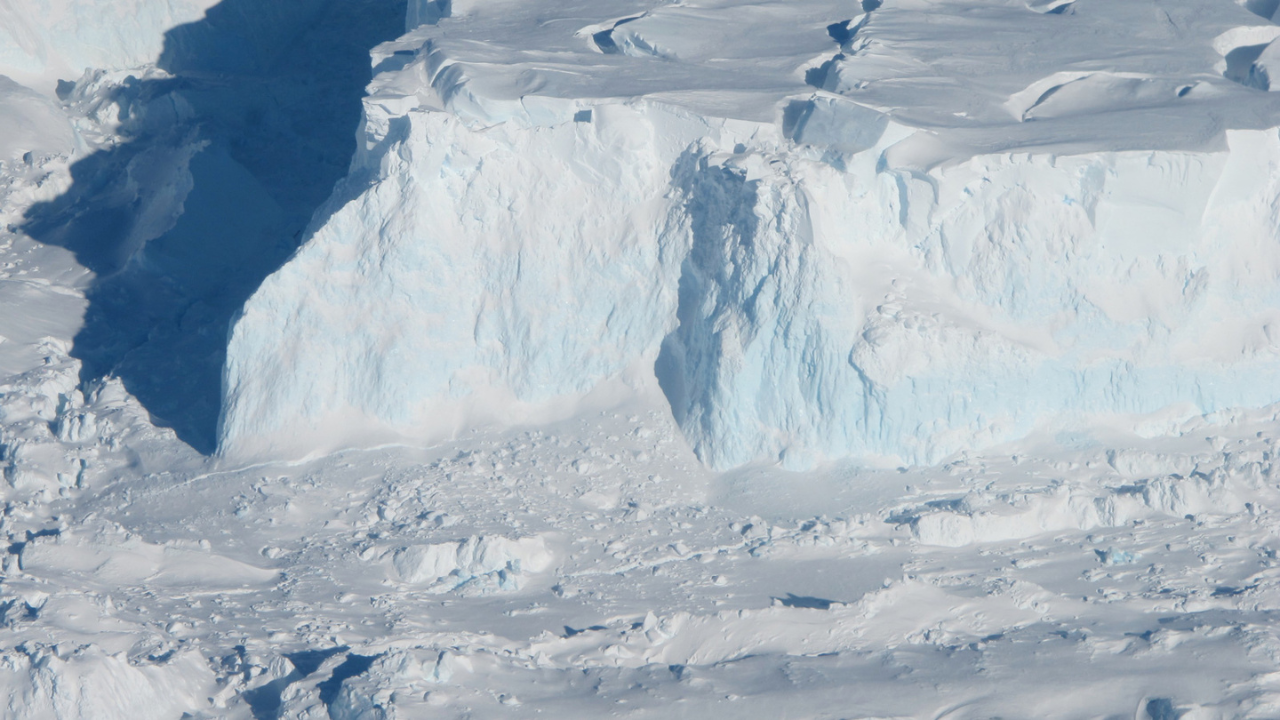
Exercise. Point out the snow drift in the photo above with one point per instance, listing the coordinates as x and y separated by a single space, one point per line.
42 41
809 265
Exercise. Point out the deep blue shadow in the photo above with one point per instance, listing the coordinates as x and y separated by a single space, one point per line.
223 165
354 665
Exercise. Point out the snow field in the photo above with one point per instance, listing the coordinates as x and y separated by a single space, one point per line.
755 270
645 579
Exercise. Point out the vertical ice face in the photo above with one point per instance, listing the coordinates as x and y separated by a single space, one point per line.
808 277
475 271
1006 292
798 310
755 362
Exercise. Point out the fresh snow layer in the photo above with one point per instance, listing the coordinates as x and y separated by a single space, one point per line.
924 228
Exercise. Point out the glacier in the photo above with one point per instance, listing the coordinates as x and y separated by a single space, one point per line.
600 275
806 260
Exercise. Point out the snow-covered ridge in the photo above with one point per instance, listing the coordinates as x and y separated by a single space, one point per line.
786 235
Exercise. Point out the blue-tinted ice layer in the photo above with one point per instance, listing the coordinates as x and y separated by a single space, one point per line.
828 283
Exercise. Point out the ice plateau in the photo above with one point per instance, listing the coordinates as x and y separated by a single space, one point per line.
887 232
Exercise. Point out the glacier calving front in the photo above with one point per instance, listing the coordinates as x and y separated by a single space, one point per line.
809 271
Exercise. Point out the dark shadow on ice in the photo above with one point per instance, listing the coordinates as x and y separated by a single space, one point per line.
802 601
1240 66
721 204
267 701
1163 709
223 166
1262 8
351 667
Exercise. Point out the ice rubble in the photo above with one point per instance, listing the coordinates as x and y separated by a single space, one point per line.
812 273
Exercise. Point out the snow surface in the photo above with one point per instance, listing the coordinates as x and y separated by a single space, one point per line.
1001 276
929 227
42 41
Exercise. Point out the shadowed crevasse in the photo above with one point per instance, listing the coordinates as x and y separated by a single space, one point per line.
721 204
223 165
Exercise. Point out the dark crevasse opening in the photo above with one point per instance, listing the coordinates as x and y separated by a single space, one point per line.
223 165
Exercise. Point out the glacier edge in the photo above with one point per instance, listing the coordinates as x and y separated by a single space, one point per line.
812 287
797 307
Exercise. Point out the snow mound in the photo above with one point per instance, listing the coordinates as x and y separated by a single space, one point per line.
1015 516
806 274
87 683
475 566
131 561
900 612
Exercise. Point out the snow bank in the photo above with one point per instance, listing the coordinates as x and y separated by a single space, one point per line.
42 41
901 612
978 519
830 276
64 683
32 123
130 561
475 566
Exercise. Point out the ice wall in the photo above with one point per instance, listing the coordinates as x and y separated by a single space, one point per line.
802 310
427 12
452 294
820 279
828 313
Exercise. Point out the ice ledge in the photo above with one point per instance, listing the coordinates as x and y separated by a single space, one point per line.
816 278
801 302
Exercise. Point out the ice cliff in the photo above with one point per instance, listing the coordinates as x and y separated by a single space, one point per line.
825 234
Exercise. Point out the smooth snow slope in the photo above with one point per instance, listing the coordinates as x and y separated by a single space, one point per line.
43 41
890 234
